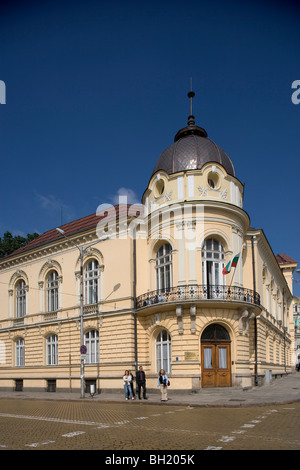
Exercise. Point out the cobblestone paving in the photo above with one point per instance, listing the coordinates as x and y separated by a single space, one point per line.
51 425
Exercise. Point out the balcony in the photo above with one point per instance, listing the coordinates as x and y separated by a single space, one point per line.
90 309
197 293
18 321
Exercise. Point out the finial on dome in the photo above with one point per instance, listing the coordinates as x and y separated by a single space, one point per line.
191 118
191 128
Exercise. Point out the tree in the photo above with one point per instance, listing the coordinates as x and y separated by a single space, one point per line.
8 243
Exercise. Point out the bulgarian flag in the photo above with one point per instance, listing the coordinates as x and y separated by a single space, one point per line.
232 264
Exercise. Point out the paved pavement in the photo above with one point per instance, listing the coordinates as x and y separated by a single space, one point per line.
281 390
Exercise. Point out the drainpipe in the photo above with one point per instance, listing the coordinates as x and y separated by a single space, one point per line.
255 319
284 330
134 302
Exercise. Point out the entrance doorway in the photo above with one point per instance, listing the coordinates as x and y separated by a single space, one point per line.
215 357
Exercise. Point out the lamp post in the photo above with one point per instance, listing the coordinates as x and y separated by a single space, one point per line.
81 251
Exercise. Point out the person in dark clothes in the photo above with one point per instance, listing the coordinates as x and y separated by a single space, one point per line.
141 382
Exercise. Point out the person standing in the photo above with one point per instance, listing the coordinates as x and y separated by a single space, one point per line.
132 383
127 385
141 382
163 382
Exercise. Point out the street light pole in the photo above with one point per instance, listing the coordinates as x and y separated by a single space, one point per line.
81 251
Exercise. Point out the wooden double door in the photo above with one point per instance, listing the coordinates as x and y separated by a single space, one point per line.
216 364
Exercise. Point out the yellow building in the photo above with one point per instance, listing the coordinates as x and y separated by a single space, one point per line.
154 290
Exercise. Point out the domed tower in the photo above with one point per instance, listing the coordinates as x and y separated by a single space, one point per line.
195 225
193 167
194 201
191 150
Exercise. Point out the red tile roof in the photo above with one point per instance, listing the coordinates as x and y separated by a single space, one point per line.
285 259
81 225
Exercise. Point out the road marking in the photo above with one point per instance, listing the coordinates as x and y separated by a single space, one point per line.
37 444
231 437
213 448
56 420
72 434
226 439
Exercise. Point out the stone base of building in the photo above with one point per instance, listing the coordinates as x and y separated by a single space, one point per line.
186 384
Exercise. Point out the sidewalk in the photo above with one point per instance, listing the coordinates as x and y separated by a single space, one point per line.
280 391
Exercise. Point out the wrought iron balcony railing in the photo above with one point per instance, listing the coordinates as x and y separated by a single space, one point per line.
198 292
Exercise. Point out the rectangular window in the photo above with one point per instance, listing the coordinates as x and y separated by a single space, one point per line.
52 291
91 276
52 350
222 358
20 353
21 299
208 358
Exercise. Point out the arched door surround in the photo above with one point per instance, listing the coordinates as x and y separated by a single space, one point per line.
215 357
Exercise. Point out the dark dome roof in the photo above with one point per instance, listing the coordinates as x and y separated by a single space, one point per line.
191 150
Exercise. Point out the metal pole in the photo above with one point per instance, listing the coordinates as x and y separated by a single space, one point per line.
255 319
81 251
81 324
134 303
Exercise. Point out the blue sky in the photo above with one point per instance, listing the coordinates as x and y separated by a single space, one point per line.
96 90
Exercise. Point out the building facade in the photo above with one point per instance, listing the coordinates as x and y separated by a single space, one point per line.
296 317
157 285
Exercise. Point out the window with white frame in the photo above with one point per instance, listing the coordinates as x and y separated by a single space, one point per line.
52 291
20 299
91 341
52 350
20 352
91 282
163 351
163 266
213 256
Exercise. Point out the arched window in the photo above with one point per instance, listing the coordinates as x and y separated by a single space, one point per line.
215 332
163 266
52 291
212 262
91 340
20 352
20 299
52 350
91 277
163 351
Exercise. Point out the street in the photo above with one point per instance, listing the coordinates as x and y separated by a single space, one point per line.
88 425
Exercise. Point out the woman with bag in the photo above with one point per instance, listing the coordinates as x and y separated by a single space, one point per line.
163 383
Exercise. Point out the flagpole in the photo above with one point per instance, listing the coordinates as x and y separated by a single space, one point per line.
232 277
234 260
